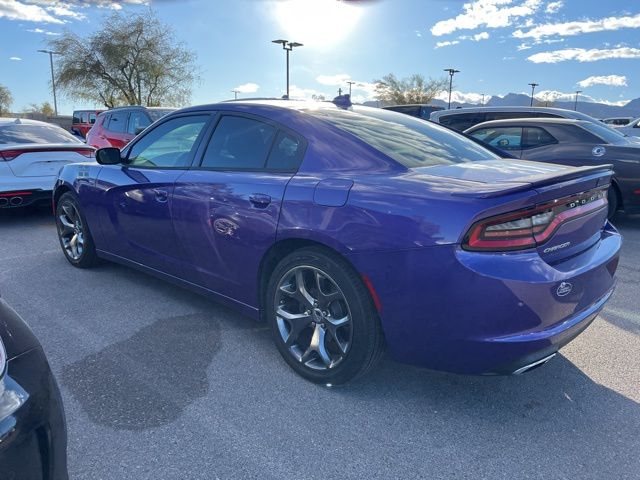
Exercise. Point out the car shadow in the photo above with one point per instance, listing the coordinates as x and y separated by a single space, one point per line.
148 379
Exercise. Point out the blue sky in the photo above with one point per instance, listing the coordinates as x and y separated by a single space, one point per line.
499 45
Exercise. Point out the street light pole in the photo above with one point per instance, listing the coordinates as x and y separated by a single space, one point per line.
482 104
533 86
53 80
575 106
235 93
287 46
452 72
350 83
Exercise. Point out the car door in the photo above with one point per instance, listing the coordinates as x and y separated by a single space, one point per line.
115 130
137 195
226 209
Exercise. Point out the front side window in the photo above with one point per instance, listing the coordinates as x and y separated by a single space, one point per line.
169 145
239 143
407 140
118 122
504 138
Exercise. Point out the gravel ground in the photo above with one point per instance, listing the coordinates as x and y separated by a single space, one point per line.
159 383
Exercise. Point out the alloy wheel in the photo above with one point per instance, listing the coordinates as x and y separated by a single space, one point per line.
313 318
71 230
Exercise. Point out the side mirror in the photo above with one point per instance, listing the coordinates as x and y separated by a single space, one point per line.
108 156
139 130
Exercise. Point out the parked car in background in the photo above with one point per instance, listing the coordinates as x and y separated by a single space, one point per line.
415 110
632 129
571 142
463 118
83 120
347 227
118 126
617 121
33 434
31 154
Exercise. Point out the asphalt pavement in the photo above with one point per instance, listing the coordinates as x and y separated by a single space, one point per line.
160 383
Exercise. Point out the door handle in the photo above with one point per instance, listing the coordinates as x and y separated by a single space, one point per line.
260 200
161 195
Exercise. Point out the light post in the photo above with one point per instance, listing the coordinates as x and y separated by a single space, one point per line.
482 104
287 46
350 83
533 86
53 80
235 94
575 106
452 72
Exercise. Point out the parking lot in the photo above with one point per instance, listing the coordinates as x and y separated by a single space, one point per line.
159 382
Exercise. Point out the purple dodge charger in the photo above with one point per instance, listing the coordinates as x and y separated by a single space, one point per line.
348 229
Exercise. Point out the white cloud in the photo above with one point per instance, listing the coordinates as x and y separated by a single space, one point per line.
447 43
15 10
553 7
247 88
298 93
577 28
15 59
39 30
56 11
488 13
367 89
583 55
481 36
611 80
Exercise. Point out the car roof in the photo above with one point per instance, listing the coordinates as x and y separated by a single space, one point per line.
459 111
24 121
528 122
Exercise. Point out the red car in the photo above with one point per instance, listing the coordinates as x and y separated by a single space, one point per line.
118 126
83 120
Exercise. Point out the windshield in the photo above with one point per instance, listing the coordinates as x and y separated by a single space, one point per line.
606 134
23 133
409 141
158 113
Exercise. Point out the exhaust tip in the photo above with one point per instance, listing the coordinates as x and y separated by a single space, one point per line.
533 365
4 202
15 201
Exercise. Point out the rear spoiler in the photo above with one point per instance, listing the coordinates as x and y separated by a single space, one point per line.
601 173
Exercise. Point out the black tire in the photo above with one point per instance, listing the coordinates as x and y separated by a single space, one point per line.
365 339
612 198
86 256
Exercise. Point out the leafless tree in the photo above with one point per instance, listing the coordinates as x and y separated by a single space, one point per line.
6 100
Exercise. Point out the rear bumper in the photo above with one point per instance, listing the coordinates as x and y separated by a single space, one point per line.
24 198
33 440
476 313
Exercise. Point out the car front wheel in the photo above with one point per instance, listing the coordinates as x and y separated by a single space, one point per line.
323 320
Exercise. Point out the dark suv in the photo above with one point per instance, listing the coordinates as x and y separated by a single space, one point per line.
118 126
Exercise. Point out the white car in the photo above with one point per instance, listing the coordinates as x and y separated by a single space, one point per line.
31 154
632 129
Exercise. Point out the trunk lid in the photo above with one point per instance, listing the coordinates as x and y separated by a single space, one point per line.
566 206
37 160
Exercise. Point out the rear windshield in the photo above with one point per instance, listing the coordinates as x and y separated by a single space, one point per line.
17 133
606 134
409 141
158 113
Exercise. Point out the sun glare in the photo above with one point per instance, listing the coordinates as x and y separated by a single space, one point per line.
318 23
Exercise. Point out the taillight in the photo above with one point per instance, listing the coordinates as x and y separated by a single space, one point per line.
8 155
531 227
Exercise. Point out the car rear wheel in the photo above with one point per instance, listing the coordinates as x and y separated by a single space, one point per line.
73 233
322 317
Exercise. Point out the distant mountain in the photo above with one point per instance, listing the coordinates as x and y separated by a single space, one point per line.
597 110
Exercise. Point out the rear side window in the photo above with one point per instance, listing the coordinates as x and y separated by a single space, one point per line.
504 138
76 117
169 145
84 117
286 153
462 121
239 143
537 137
92 118
407 140
137 120
118 122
